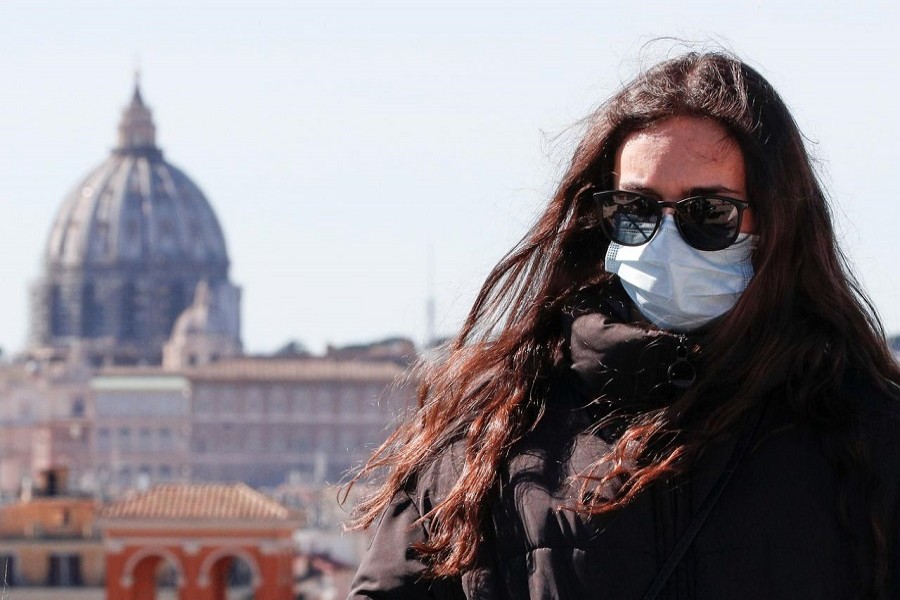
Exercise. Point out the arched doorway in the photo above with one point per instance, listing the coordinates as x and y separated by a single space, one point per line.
231 574
153 574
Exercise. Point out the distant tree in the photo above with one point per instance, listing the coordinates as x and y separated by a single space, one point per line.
293 349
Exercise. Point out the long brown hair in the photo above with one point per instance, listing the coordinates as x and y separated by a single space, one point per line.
802 323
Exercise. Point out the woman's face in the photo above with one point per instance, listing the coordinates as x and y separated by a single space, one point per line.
680 157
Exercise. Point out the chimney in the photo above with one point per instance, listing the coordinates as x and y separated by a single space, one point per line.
53 481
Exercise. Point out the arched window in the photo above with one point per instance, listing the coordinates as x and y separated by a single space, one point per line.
176 301
58 320
91 312
128 307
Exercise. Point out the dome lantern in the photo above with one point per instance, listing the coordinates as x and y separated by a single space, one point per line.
137 133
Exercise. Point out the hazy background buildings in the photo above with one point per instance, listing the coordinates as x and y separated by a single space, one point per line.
133 387
346 168
340 141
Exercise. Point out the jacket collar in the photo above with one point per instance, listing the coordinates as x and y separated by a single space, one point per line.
619 364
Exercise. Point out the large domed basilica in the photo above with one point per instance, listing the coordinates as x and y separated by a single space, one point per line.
126 253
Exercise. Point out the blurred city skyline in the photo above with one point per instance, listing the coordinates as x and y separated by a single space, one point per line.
342 146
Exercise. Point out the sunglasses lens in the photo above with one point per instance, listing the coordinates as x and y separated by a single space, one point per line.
627 219
709 223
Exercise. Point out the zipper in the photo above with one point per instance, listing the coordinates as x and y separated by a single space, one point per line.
681 372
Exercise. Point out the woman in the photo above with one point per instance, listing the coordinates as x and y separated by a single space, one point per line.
671 388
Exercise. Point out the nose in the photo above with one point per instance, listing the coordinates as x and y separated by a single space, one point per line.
667 210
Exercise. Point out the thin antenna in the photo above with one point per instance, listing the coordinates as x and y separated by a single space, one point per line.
137 70
430 309
136 94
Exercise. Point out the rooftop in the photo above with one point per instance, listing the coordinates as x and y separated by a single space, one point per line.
231 501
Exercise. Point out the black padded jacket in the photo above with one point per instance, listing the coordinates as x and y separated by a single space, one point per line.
774 533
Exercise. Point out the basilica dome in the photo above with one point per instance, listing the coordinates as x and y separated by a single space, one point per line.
136 208
127 249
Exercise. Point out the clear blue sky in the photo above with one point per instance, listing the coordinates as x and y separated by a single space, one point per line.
339 141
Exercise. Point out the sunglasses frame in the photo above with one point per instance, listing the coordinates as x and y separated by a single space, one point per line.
741 205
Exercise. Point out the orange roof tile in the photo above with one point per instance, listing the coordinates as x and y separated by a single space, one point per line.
198 501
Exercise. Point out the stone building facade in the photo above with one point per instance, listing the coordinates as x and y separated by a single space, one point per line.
140 429
48 538
266 421
263 421
45 420
205 541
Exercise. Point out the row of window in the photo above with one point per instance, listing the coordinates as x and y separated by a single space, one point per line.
149 404
64 570
140 439
251 438
272 475
283 393
230 438
89 312
141 475
300 401
275 400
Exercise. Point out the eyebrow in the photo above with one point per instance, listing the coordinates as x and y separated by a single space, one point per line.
694 191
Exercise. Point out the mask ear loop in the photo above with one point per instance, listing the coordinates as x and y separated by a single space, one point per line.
681 373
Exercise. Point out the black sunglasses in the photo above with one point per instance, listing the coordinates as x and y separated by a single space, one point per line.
705 222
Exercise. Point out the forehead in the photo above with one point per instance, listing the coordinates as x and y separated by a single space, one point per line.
680 151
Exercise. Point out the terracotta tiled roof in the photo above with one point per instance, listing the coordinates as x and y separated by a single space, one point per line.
198 501
305 369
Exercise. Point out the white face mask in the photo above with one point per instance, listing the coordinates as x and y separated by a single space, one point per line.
677 287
